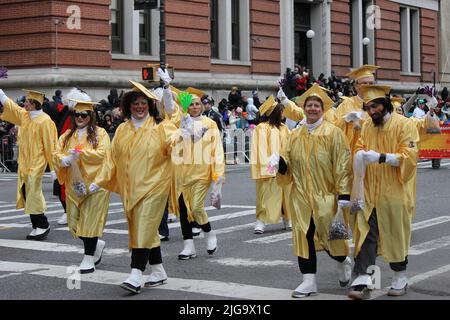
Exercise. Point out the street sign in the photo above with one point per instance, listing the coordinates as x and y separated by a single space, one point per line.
149 73
145 4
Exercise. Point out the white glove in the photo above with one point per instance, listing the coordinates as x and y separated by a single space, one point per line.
187 123
371 156
274 163
344 203
432 103
3 97
93 188
54 177
164 76
282 97
67 161
359 156
75 155
169 106
391 159
353 115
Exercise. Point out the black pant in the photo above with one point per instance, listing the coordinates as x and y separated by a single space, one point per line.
37 220
89 245
368 253
186 227
164 227
139 257
310 265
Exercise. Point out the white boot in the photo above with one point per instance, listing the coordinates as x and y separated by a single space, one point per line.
259 227
41 234
87 265
62 220
133 282
188 250
32 234
157 277
307 288
399 284
345 271
361 287
211 242
99 251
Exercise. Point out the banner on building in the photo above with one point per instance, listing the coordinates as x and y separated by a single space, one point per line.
435 145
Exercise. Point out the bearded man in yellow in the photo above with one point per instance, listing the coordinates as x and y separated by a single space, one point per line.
198 161
317 159
387 149
78 158
349 114
269 140
139 170
37 139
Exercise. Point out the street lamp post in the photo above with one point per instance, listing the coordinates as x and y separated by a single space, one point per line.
57 23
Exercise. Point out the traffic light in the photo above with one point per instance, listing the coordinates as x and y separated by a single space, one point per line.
145 4
149 73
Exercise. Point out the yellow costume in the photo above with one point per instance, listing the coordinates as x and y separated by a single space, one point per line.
86 216
196 165
36 139
389 189
318 164
139 170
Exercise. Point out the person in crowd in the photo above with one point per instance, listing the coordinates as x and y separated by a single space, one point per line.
213 115
235 97
37 141
85 146
314 150
251 110
420 111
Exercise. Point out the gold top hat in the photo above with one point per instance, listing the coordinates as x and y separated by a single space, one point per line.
316 91
35 95
268 106
195 92
372 92
397 101
362 72
140 88
84 105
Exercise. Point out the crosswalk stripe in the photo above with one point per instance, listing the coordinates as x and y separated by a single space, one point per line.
430 222
271 239
52 247
424 247
237 262
208 287
17 210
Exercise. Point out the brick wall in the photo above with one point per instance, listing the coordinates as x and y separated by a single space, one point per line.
27 34
340 37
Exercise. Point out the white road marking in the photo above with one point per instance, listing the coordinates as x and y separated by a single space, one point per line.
17 210
10 275
271 239
52 247
236 262
208 287
235 228
429 246
430 222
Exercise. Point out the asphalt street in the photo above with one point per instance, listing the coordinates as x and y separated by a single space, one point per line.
246 266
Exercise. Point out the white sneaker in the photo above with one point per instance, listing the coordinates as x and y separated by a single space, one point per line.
188 250
87 265
259 227
62 220
211 242
399 284
171 218
133 282
41 234
157 277
307 288
32 234
99 251
345 271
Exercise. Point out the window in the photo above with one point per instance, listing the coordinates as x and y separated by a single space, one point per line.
410 39
235 30
214 29
117 26
145 32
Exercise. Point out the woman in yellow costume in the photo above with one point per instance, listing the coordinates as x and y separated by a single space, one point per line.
199 163
269 139
84 146
37 140
317 160
139 170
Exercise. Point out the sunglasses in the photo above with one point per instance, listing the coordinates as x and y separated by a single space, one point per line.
82 115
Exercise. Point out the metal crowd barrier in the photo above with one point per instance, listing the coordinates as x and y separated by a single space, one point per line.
8 154
237 145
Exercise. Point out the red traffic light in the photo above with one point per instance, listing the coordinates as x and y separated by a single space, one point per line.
147 74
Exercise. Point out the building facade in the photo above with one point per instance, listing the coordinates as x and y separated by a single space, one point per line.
214 44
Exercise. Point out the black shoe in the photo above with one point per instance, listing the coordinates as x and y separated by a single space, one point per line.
129 287
164 238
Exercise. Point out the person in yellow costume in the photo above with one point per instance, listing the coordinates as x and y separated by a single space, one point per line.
350 115
269 140
85 145
199 161
388 150
37 140
317 159
139 170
